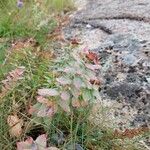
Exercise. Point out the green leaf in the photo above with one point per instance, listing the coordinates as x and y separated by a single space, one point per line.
87 95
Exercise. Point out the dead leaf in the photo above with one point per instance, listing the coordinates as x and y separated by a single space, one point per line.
93 57
95 82
15 125
130 133
75 41
17 46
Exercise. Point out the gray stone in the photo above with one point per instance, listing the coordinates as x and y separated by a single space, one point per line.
119 30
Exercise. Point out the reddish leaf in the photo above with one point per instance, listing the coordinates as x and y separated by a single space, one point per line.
65 106
79 104
63 81
25 145
86 50
65 95
76 103
78 83
75 41
93 57
95 82
43 110
31 110
130 133
48 92
11 80
43 100
41 141
39 144
15 125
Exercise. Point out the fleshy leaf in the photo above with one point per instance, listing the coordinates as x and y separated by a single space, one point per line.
65 106
65 95
75 92
78 83
26 145
48 92
41 142
87 95
43 110
33 109
41 99
63 81
78 103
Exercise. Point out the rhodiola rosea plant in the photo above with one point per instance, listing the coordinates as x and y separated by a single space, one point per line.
62 104
75 86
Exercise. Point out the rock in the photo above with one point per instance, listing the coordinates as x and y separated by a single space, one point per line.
124 89
119 31
148 80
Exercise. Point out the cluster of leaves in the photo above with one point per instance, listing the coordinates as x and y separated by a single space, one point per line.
11 80
75 86
72 131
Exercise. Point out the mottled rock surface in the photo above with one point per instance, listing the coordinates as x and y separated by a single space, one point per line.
119 31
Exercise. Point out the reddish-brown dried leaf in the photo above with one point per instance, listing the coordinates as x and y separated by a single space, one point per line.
130 133
95 82
15 125
93 57
75 41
